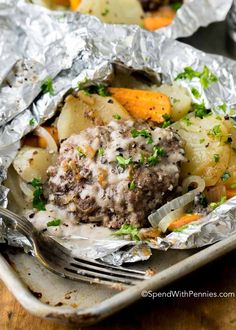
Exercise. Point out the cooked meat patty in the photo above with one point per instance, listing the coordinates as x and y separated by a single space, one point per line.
116 174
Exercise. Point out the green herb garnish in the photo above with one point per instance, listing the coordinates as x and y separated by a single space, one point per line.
233 186
202 140
144 133
32 122
234 149
38 199
225 176
176 5
216 158
47 86
116 116
127 229
132 185
207 78
123 162
157 153
200 110
223 107
186 120
106 11
97 89
54 222
195 92
215 132
101 151
216 204
167 121
80 152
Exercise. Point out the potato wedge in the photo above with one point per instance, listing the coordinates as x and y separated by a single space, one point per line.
86 111
180 99
231 169
114 11
206 151
33 163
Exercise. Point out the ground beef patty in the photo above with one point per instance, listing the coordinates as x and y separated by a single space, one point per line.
116 174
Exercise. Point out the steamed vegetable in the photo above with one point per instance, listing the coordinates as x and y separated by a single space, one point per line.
143 104
114 11
180 99
74 4
153 23
33 163
86 111
205 148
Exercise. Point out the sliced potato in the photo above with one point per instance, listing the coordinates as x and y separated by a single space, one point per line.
85 111
207 153
180 99
33 163
114 11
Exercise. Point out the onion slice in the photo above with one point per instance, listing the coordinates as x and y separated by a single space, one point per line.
166 214
51 144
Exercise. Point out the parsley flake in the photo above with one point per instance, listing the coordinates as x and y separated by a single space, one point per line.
186 120
80 152
167 120
116 116
54 222
233 186
47 86
38 199
97 89
196 93
178 230
215 132
216 158
32 122
101 151
144 133
127 229
157 153
214 205
225 176
123 162
132 185
200 110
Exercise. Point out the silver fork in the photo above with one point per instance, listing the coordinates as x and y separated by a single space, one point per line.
59 260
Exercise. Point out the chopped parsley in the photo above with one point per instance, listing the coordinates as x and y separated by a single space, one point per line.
144 133
214 205
178 230
47 86
132 185
215 132
123 162
101 151
200 110
80 152
202 141
195 92
157 153
225 176
54 222
38 199
176 5
207 78
186 120
167 120
97 89
203 200
106 11
32 122
234 149
127 229
223 107
233 186
216 158
116 116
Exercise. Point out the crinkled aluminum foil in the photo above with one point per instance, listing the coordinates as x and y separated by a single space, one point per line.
74 48
194 14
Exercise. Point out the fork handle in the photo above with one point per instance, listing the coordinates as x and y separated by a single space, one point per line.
17 223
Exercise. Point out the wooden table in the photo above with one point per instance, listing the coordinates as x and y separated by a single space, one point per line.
162 313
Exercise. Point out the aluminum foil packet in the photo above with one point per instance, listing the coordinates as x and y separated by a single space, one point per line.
72 48
195 14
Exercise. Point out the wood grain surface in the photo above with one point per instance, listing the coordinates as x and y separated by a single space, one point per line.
160 313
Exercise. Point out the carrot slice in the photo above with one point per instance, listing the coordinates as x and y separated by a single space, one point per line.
142 104
230 193
184 220
74 4
153 23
